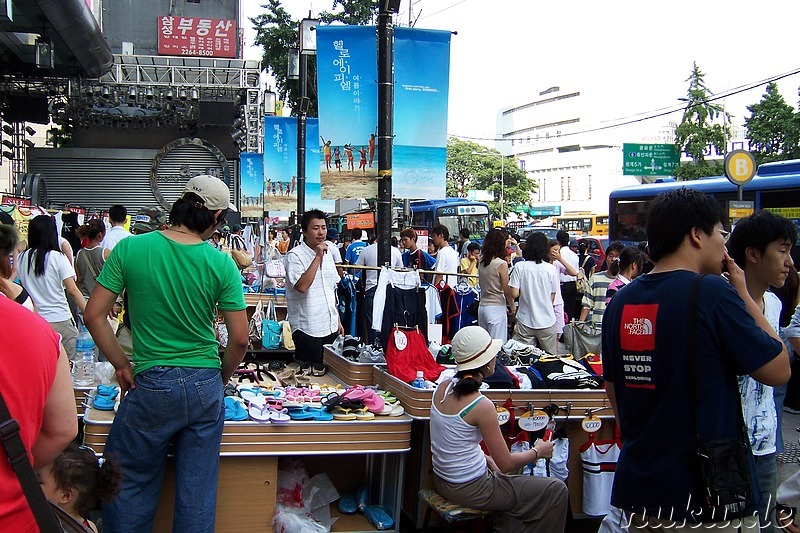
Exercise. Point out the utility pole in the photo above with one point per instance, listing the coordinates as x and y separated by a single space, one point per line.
385 127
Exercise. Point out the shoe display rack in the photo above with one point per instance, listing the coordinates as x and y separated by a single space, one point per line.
249 458
417 403
348 371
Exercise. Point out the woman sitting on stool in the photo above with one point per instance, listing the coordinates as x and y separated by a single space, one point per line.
461 417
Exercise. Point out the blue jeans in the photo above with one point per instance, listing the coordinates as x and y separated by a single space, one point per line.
767 472
169 404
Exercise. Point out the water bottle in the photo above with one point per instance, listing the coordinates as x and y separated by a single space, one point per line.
83 366
419 381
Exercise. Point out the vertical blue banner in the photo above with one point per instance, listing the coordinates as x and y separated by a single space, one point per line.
280 165
347 74
421 89
251 184
348 109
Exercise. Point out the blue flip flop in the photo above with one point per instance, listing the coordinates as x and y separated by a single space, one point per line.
104 403
347 503
234 410
300 413
362 497
320 413
109 391
378 517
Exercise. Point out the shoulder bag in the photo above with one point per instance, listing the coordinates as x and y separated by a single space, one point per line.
271 329
724 467
254 326
49 517
581 281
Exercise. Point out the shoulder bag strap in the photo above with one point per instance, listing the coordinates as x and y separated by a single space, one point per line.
583 265
18 458
691 353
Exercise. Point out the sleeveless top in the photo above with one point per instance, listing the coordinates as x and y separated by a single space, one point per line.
455 445
489 280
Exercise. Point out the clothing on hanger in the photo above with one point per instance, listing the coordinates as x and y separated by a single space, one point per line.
450 311
346 291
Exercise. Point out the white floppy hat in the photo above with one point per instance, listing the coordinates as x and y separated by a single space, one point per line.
473 348
212 190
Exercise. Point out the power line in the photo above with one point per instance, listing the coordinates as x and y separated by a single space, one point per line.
443 9
653 114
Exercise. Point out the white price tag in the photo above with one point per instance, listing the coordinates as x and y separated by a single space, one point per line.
533 421
400 340
502 415
591 424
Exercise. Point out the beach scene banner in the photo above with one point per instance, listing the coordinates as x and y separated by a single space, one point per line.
347 74
251 184
348 106
280 165
421 76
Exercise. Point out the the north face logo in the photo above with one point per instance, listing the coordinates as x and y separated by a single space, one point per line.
638 327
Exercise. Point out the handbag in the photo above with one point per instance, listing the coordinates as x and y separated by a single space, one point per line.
242 258
581 282
49 517
724 467
286 335
581 338
271 329
254 326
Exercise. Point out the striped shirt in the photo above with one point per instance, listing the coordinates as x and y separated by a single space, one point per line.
595 298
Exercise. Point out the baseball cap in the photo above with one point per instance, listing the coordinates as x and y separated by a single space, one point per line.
149 219
473 348
212 191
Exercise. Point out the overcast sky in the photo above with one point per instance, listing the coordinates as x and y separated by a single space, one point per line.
633 57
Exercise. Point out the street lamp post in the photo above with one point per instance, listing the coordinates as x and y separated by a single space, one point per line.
308 46
502 181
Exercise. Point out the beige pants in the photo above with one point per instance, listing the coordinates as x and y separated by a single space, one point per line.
69 333
526 504
547 337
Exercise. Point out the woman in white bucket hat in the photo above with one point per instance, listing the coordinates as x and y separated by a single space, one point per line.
461 417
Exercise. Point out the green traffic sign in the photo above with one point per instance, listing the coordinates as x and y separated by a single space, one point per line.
649 159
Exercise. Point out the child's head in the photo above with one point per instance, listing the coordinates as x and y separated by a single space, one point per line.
77 483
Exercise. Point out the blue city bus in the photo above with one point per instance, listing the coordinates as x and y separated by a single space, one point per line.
776 187
453 213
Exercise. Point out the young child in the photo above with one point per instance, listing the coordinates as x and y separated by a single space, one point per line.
77 483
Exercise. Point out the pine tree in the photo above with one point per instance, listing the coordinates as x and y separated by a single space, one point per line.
773 128
699 129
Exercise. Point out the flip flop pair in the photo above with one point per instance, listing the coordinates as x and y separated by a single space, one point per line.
234 410
105 397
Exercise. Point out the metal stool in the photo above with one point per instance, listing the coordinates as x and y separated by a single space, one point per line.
450 512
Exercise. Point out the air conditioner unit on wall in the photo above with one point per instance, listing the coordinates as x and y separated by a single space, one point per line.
127 48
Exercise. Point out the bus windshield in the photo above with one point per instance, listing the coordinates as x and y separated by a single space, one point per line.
477 225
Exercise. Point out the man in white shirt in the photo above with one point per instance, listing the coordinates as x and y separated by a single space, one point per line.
311 279
117 216
569 291
369 257
446 256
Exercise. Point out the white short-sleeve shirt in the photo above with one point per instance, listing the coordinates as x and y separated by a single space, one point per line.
536 283
314 313
47 290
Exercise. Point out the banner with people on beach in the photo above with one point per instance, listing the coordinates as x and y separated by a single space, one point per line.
280 165
251 184
348 109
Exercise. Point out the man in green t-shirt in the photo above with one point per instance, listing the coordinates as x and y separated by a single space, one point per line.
175 283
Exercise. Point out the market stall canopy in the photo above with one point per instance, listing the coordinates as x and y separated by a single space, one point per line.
52 38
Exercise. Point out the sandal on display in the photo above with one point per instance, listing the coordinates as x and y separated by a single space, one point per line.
397 410
234 410
248 393
363 414
229 390
276 366
110 391
301 413
104 403
373 402
378 517
387 410
341 413
320 414
347 503
259 411
319 369
279 416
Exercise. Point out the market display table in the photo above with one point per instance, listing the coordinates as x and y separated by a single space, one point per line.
348 451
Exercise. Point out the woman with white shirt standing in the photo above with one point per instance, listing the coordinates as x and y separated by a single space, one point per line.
535 282
626 267
45 272
496 296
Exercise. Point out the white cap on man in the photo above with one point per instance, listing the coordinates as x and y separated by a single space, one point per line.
212 191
